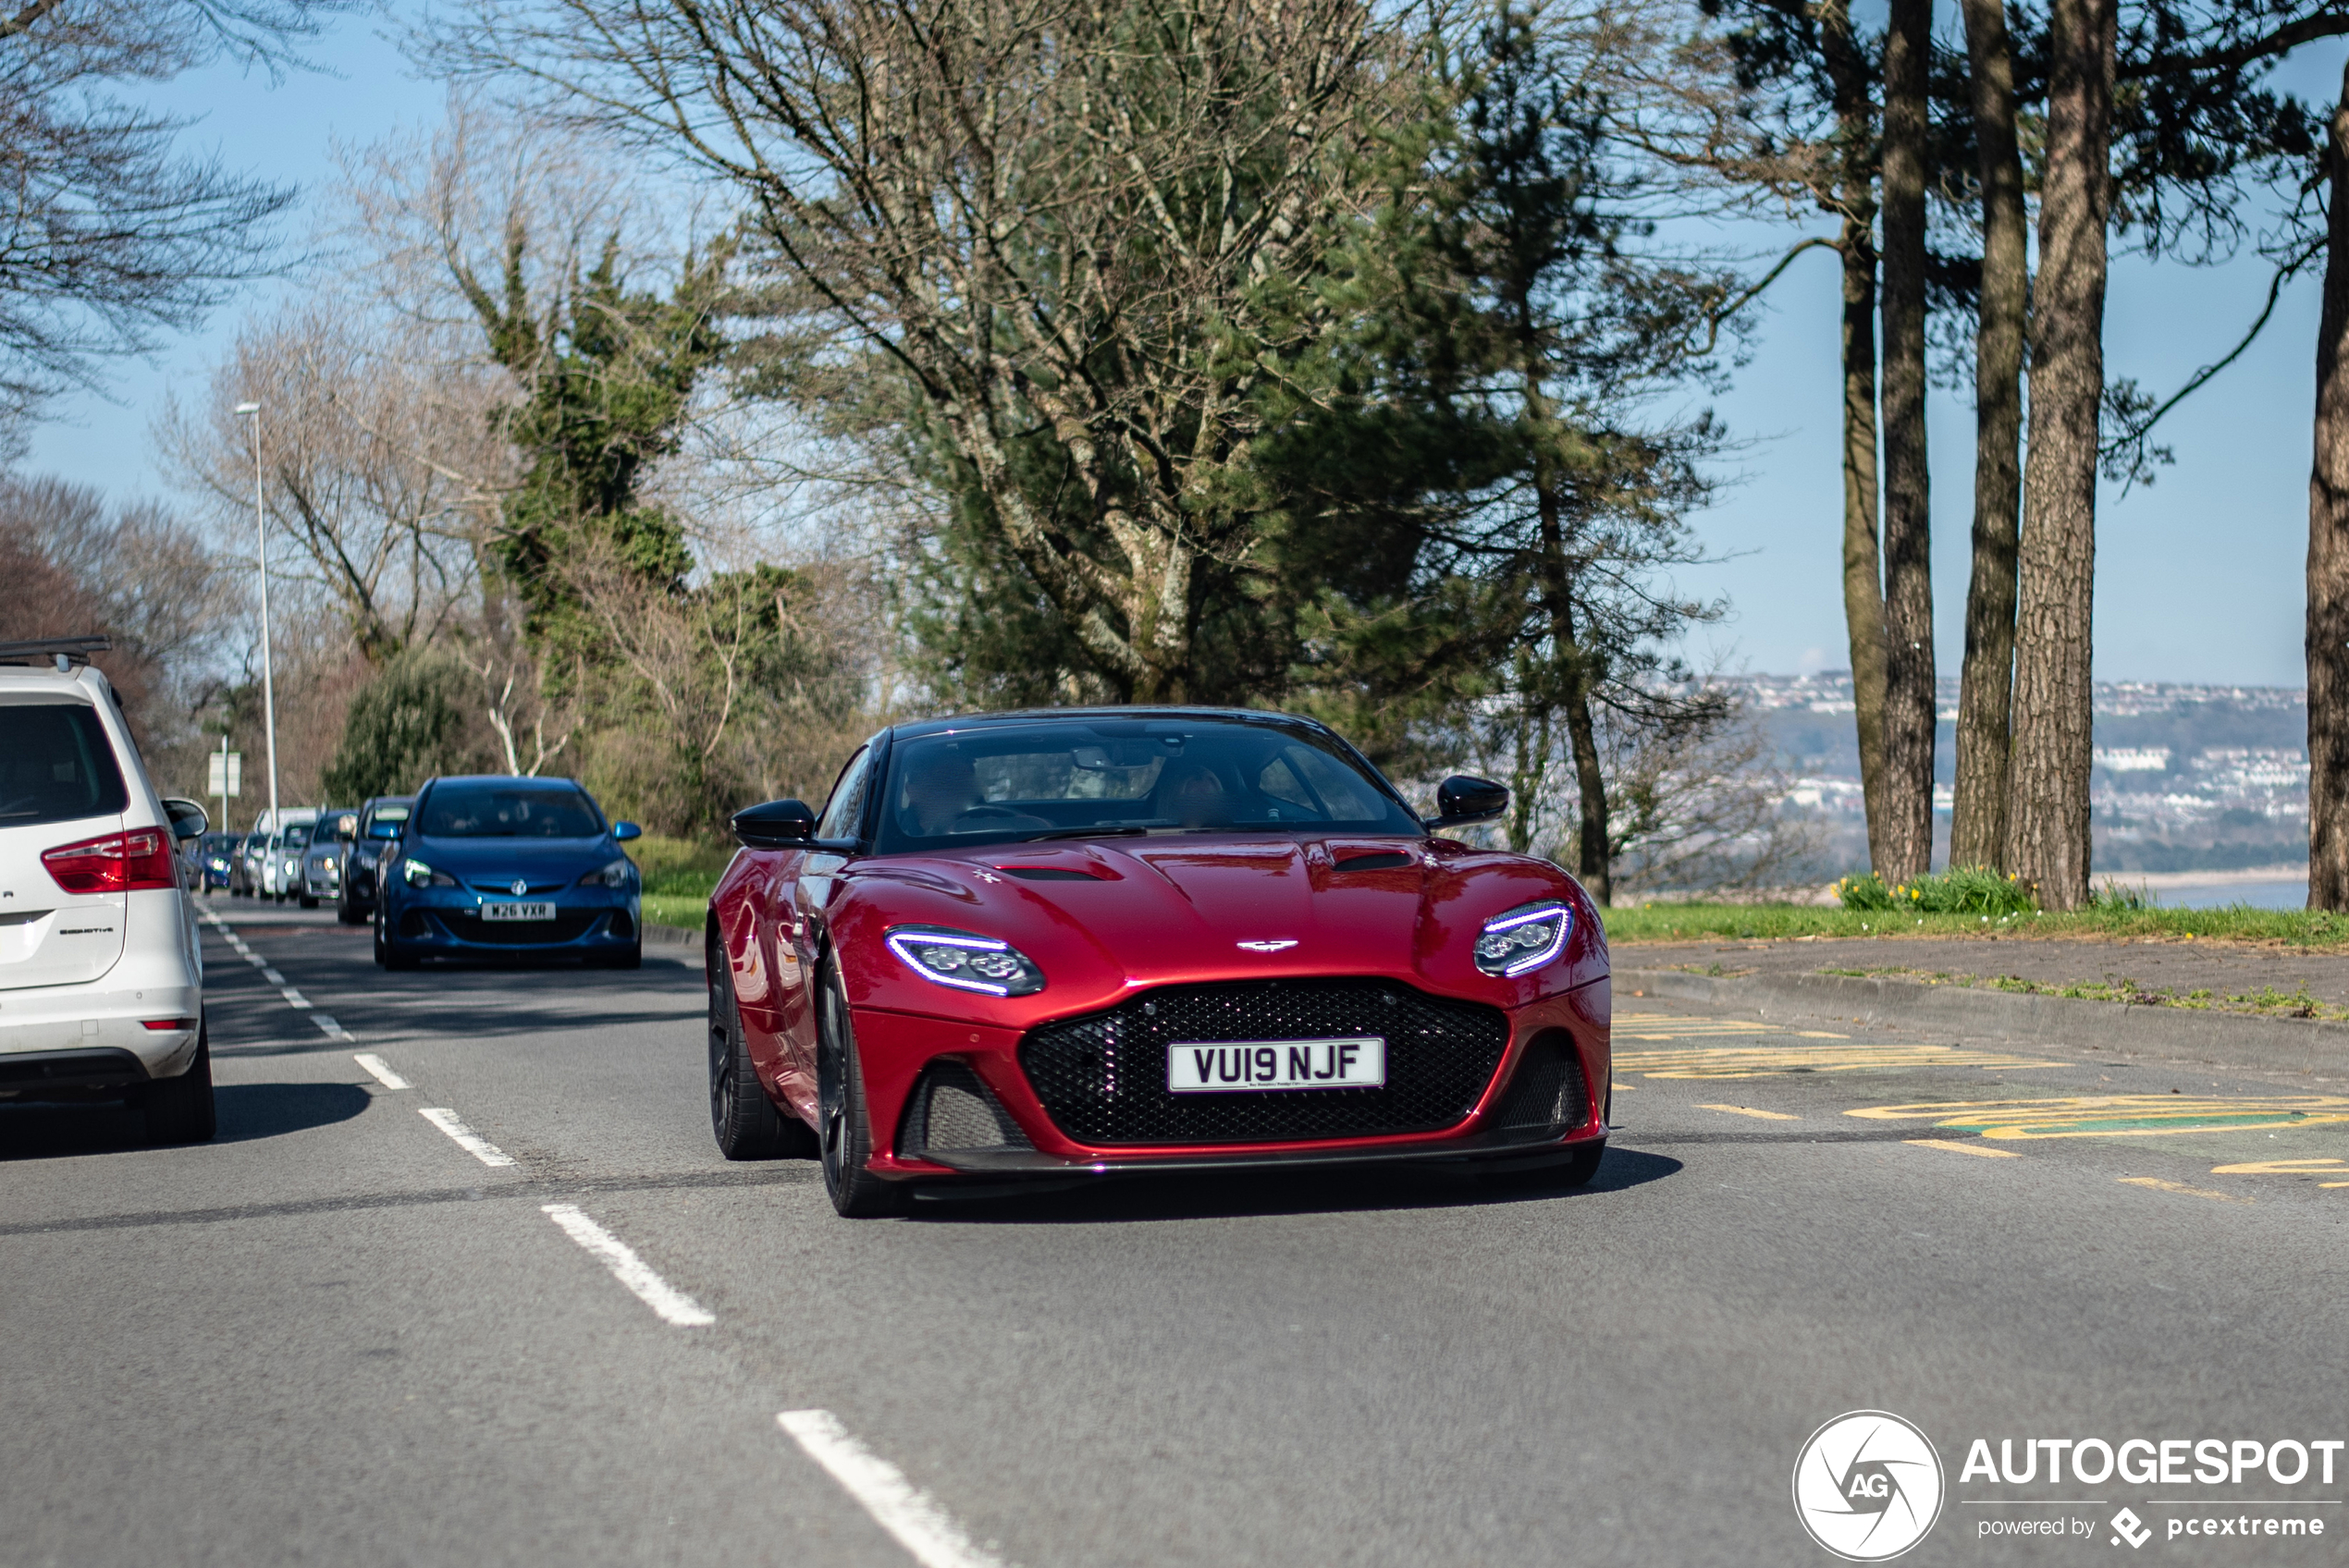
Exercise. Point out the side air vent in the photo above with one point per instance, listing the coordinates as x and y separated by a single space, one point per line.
952 1112
1048 873
1547 1094
1374 863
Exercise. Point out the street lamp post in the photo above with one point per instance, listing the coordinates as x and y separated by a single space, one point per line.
268 680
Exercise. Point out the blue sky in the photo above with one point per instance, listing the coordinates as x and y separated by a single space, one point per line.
2198 576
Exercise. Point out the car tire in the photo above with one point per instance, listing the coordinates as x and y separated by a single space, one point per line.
347 914
180 1110
748 1124
390 954
844 1139
309 902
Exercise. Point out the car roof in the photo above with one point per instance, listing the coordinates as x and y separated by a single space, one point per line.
1035 716
492 779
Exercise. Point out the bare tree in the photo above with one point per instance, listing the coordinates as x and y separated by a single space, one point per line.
1077 233
2327 569
108 235
378 468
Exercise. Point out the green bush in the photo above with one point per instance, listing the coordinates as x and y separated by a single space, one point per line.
418 719
1963 890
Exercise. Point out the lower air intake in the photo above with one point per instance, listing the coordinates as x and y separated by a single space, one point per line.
1549 1094
952 1112
1102 1077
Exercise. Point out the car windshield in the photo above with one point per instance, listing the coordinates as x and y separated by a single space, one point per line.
55 765
295 838
386 822
1068 777
506 811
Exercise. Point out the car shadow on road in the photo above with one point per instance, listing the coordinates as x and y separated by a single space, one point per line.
248 1113
1112 1199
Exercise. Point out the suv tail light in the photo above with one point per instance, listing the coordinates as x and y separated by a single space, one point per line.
117 862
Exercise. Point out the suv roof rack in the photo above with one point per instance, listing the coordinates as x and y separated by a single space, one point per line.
65 652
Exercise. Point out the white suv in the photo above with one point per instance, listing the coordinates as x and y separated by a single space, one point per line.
100 974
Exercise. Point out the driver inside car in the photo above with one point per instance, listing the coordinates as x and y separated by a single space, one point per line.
942 789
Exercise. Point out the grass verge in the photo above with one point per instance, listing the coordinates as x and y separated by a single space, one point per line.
2267 1001
1693 922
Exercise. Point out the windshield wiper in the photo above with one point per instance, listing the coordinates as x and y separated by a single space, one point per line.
1084 833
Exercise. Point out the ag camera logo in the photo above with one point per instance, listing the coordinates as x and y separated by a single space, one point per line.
1868 1485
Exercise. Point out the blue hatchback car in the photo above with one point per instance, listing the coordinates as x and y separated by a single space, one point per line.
498 864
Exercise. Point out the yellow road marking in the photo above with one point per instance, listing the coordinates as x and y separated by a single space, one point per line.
2118 1116
2159 1185
1622 1085
2333 1183
1749 1111
2276 1168
1955 1147
1771 1061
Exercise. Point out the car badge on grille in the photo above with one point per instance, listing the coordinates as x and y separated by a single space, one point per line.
521 887
1277 944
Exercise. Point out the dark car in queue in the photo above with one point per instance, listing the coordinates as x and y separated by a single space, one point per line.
377 829
321 858
217 855
1065 944
498 865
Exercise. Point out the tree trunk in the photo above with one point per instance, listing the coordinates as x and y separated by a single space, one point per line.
2329 552
1986 686
1596 872
1909 718
1863 571
2048 841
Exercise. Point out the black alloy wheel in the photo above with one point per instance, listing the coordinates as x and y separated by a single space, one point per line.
748 1124
843 1126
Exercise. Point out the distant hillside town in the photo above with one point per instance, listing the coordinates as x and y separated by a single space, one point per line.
2187 778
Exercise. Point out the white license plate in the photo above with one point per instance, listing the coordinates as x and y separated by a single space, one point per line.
518 911
1240 1066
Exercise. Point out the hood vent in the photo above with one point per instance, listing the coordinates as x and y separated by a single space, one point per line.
1384 861
1046 874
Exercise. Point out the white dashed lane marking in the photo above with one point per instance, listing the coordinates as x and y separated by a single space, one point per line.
907 1513
465 1137
380 1071
672 1305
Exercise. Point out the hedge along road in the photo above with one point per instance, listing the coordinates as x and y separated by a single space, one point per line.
340 1334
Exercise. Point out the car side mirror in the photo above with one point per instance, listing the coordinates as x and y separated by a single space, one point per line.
778 824
623 831
188 819
1463 801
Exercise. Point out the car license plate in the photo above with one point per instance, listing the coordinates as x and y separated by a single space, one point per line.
1237 1066
518 911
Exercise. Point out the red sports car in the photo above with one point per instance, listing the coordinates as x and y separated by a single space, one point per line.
1055 943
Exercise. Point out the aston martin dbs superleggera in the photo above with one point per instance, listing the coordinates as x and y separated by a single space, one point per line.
1059 944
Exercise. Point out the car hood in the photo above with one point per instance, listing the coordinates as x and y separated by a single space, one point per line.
1103 916
532 859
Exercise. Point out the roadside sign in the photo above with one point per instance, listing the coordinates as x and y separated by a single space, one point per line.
228 775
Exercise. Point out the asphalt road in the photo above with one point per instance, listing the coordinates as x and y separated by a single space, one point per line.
335 1336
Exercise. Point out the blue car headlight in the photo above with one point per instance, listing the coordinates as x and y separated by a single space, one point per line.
965 960
419 875
1525 937
620 876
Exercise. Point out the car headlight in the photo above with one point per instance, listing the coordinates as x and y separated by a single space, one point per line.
966 961
1525 937
419 875
618 876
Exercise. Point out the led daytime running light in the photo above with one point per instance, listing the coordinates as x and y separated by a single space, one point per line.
1529 921
925 952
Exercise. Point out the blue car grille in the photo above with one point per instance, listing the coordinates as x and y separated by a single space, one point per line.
505 884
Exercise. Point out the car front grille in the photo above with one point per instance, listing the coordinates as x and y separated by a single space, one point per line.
1102 1077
